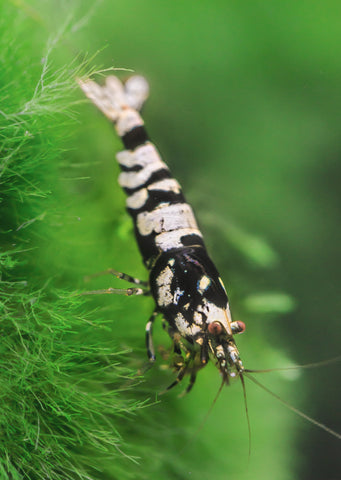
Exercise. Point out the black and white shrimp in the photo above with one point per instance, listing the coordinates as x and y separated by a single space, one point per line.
183 280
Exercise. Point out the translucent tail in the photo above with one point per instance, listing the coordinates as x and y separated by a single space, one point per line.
114 97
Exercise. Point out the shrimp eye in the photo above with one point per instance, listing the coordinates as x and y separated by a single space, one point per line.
238 327
215 328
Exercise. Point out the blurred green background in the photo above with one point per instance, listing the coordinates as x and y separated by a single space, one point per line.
245 107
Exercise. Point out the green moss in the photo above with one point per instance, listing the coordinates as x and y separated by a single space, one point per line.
63 384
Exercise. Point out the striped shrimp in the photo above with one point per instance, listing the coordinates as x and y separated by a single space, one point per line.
184 282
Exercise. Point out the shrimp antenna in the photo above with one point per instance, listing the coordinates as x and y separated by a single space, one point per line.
246 412
296 367
292 408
